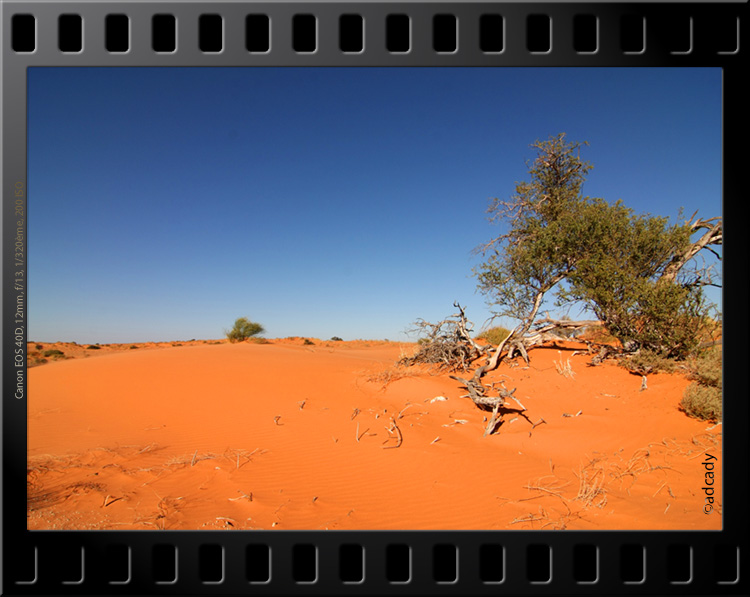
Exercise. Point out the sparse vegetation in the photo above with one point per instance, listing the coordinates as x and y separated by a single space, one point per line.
133 347
258 341
93 347
243 329
53 353
308 342
336 339
702 398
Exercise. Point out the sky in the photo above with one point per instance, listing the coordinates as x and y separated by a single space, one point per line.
164 203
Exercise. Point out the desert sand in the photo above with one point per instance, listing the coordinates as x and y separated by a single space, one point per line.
198 435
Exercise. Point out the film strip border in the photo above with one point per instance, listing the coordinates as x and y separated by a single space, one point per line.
391 34
399 563
376 34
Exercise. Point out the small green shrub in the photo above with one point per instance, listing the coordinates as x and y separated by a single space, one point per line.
258 341
39 346
93 347
494 335
336 339
133 347
176 344
244 329
308 342
53 353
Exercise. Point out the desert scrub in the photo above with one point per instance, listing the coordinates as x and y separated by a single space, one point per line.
243 329
259 341
308 342
93 347
494 335
336 339
646 361
53 353
133 347
702 398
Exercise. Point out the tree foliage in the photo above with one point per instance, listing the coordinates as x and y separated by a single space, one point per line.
627 268
243 329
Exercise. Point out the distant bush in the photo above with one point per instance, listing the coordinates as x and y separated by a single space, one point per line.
53 353
244 329
494 335
702 398
133 347
93 347
176 344
308 342
39 346
258 341
337 339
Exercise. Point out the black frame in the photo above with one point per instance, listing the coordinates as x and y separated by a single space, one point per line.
53 562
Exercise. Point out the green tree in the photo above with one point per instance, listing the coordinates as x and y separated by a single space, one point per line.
628 269
244 329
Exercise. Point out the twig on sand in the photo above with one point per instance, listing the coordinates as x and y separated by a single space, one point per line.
302 404
355 413
539 422
276 420
400 438
399 415
114 499
437 439
360 435
192 462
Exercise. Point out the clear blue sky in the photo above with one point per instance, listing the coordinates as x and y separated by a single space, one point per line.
165 203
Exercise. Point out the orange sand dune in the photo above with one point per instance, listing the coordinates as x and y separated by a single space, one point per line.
288 436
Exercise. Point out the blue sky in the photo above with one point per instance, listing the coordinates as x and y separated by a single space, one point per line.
165 203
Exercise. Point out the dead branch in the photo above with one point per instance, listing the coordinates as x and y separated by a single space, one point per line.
712 236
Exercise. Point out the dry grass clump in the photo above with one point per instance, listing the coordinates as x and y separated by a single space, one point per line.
702 402
384 377
702 398
564 369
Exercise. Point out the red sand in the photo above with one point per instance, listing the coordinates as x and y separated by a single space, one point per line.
287 436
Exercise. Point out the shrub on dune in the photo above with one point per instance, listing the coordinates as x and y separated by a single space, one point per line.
244 329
